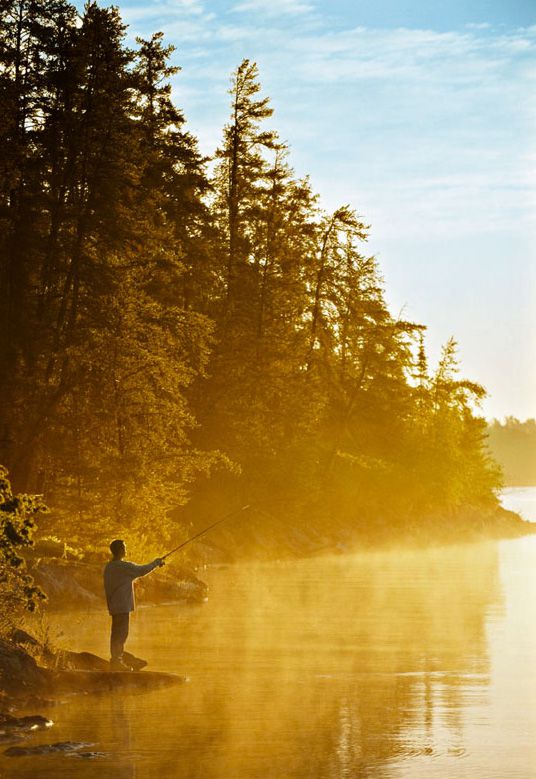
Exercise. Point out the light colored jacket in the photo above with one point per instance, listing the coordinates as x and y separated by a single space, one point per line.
118 578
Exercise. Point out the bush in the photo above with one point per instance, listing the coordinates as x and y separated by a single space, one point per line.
18 513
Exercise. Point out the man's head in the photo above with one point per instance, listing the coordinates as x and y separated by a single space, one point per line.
118 549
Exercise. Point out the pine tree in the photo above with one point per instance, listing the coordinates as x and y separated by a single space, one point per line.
104 383
152 316
243 168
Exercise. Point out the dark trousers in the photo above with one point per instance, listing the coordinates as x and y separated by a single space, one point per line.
119 635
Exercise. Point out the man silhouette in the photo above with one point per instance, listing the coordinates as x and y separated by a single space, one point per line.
119 575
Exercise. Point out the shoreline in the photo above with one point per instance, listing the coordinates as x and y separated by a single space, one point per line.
26 685
281 540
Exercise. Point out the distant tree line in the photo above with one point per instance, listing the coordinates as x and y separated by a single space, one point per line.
513 445
175 328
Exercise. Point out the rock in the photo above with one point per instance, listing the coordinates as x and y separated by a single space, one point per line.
87 661
18 670
71 672
19 674
31 645
62 659
22 638
163 587
88 755
75 584
34 722
68 583
46 749
81 661
106 681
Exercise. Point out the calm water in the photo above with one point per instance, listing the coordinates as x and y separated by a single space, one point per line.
379 665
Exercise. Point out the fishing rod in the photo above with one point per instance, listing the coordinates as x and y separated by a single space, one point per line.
202 532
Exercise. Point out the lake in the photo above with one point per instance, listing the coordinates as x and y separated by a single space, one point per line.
381 665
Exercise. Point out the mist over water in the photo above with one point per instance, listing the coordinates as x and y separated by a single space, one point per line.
522 500
398 664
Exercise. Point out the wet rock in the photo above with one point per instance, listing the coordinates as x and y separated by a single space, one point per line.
106 681
181 585
82 661
67 747
20 676
87 661
62 659
34 722
89 755
39 651
69 583
66 660
22 638
18 670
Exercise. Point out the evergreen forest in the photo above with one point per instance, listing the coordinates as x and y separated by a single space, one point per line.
183 335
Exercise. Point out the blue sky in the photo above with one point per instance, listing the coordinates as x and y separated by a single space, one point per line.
422 116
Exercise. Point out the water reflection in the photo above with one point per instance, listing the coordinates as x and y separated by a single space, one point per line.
343 667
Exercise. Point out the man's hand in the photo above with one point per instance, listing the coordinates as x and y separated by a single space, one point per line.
159 561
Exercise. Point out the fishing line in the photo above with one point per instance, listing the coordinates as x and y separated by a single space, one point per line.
202 532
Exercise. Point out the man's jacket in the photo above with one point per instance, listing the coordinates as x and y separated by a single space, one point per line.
118 578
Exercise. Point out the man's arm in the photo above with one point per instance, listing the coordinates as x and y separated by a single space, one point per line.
135 571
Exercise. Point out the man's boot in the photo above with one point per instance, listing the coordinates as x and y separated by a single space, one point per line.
133 662
116 664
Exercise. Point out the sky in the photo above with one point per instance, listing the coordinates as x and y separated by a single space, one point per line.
421 115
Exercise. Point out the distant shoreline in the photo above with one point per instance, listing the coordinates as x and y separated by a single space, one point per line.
468 525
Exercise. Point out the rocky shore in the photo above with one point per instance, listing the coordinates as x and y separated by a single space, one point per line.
26 684
280 537
23 678
75 584
33 674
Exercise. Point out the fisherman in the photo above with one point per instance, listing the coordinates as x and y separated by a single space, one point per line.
118 577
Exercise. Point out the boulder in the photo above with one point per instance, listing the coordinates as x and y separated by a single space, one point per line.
19 672
108 681
68 583
82 672
87 661
81 661
179 585
8 723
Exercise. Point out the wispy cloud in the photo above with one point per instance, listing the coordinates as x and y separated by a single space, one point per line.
429 133
436 126
418 55
181 20
478 26
273 8
159 10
